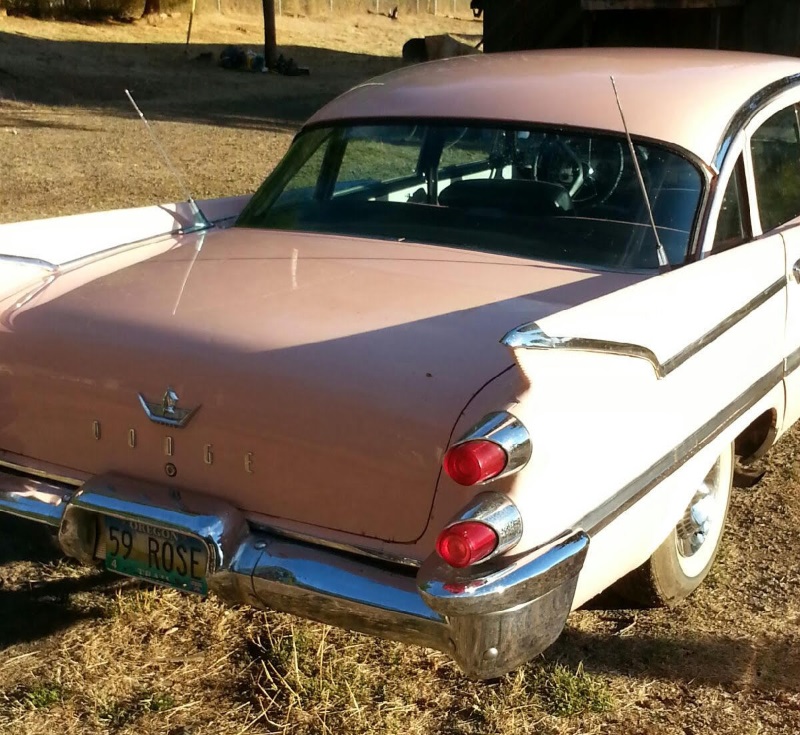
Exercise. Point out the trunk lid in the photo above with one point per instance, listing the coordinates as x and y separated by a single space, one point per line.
326 373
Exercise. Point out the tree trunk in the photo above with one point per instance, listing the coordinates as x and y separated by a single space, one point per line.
270 42
151 7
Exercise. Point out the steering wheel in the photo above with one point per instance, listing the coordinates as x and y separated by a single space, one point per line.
588 168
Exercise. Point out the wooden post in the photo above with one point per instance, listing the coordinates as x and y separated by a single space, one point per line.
189 30
270 42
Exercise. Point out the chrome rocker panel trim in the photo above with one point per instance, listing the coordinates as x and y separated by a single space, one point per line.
490 618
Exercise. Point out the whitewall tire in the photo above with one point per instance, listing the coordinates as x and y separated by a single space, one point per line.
681 563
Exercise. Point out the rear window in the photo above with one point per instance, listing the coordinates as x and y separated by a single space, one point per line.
538 193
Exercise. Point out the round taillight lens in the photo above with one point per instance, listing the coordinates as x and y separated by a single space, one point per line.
475 461
466 543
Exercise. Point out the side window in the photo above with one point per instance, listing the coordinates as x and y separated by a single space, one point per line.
776 168
466 146
733 223
376 155
302 186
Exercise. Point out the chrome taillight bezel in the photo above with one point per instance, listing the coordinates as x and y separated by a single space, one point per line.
509 433
497 511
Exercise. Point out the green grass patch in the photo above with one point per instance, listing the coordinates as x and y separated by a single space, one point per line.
563 692
39 696
117 713
161 702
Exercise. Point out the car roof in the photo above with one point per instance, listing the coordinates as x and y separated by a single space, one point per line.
686 97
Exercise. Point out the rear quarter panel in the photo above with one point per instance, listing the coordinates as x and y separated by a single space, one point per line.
602 425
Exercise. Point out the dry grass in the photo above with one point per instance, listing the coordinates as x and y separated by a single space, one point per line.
157 662
85 653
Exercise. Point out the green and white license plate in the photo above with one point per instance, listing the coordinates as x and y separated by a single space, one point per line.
156 554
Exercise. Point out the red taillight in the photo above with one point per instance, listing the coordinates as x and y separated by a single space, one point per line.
474 461
465 543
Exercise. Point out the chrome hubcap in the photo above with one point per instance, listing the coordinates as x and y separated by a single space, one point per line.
700 517
696 524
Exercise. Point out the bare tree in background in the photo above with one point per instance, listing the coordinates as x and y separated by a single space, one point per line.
270 42
151 7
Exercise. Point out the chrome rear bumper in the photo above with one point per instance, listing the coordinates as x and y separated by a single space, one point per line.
490 619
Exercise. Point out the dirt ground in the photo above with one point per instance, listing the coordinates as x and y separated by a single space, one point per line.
83 652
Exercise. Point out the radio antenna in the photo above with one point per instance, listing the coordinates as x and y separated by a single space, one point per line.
200 219
663 263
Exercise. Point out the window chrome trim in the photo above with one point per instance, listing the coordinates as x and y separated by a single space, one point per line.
745 114
705 171
789 98
750 116
737 148
532 337
750 185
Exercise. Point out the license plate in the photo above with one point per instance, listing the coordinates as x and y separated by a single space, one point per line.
155 554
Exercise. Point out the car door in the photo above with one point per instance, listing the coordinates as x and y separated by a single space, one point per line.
774 162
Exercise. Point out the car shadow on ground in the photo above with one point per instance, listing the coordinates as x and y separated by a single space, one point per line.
38 586
767 665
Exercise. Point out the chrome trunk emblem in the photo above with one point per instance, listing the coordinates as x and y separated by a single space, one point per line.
166 411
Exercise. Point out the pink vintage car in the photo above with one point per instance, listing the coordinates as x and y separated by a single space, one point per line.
486 342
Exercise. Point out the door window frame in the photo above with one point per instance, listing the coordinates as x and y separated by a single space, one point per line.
742 145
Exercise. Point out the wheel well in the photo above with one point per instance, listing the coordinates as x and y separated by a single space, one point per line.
757 438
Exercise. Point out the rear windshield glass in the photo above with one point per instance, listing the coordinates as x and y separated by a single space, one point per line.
570 197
